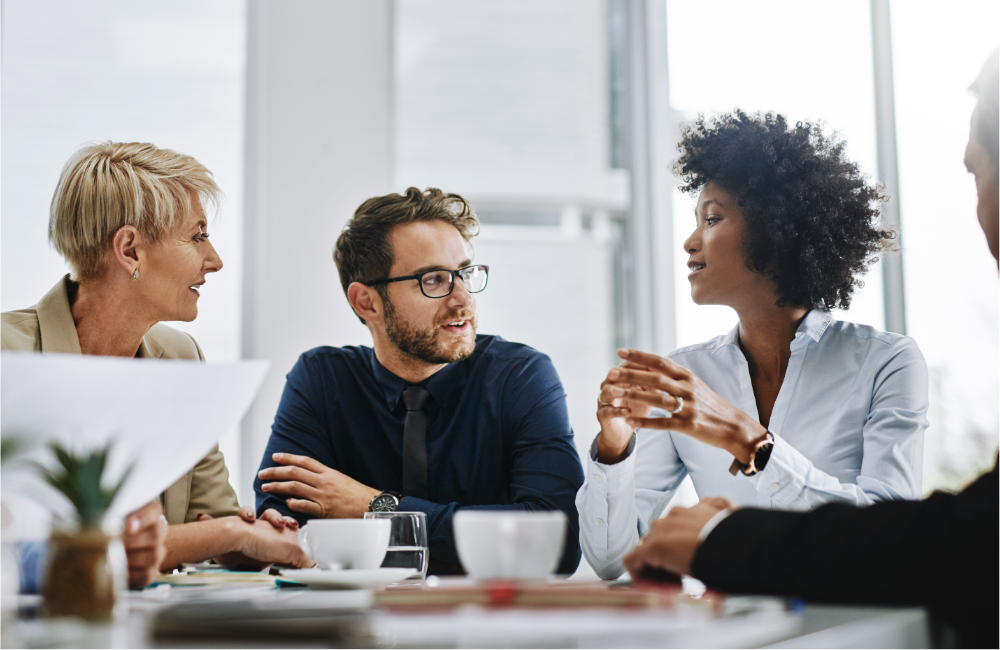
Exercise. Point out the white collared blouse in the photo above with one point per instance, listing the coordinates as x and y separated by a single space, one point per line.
848 426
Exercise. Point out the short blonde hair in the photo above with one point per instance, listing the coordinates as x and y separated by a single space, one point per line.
113 184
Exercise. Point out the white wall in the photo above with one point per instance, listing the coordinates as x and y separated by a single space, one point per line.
318 143
504 100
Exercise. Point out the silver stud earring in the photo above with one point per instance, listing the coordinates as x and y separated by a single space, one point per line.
135 276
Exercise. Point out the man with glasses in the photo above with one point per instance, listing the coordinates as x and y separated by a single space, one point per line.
433 418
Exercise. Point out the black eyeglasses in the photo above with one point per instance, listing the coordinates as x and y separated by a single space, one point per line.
439 283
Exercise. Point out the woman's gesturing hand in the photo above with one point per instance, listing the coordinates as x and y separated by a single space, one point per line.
649 381
612 410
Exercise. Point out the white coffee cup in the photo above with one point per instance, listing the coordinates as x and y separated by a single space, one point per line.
507 544
346 543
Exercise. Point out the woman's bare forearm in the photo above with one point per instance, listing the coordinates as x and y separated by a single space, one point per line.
198 541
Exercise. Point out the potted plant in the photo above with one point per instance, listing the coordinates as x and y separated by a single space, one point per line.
87 566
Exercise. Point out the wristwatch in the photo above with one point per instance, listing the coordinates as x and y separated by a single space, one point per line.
385 502
761 454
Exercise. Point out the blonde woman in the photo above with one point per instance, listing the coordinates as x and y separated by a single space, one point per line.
130 220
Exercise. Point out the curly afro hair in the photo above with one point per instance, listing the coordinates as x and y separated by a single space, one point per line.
812 217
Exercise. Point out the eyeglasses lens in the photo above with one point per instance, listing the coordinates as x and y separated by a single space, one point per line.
436 284
474 278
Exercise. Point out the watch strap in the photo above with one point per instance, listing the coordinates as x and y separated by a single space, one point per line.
762 455
758 460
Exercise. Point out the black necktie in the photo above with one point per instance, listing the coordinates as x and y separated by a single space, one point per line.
415 443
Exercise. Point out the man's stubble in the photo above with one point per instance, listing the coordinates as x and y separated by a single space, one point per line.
422 344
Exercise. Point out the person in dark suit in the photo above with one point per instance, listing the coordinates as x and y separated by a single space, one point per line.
940 552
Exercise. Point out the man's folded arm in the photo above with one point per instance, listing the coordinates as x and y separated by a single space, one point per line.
298 429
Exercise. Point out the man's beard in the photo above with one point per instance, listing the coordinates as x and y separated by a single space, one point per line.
422 344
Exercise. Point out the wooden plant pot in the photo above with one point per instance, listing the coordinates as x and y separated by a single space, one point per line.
80 579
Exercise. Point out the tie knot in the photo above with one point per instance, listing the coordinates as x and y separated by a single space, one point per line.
414 397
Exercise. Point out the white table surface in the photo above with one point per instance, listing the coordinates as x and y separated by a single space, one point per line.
751 622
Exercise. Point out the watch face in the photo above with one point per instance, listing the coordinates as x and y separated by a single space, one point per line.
384 503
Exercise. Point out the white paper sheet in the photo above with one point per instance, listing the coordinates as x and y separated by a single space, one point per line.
163 416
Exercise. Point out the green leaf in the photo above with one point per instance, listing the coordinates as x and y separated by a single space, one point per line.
80 482
68 462
9 446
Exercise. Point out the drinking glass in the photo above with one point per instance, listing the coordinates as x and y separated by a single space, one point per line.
407 540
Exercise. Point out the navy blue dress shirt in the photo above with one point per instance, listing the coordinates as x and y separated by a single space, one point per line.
498 435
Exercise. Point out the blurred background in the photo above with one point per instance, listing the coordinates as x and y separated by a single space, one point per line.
557 119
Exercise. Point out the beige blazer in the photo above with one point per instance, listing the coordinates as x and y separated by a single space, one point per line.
49 327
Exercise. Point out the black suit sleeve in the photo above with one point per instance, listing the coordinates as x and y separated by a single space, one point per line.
940 552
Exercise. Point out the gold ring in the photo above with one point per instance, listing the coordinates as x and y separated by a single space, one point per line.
602 402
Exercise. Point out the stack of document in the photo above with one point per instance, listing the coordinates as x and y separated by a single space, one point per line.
534 594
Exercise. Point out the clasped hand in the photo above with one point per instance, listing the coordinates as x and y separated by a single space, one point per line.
271 538
647 381
315 489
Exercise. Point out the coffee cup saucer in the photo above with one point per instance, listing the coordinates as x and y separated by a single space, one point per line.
348 578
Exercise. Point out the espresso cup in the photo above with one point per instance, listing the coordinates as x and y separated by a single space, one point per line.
509 544
345 543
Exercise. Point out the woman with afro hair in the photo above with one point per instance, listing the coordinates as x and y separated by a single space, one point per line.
791 409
